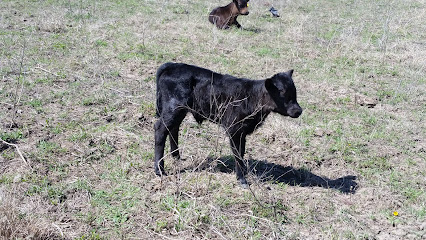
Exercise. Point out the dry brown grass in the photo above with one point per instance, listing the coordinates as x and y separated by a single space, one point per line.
77 97
16 223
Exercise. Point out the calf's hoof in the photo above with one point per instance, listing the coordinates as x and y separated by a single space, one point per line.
159 172
243 183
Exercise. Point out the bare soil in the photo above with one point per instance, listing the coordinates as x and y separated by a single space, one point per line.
77 108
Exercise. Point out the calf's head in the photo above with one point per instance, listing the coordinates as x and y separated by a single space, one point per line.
242 6
283 94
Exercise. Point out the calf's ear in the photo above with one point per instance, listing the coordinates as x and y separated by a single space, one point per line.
268 83
290 72
273 82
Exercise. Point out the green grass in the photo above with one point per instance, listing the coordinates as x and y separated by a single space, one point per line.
77 97
12 136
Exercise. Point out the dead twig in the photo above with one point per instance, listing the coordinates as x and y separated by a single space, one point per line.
44 70
59 229
16 97
5 103
252 216
17 149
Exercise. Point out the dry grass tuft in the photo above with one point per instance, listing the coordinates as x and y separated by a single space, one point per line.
77 98
16 225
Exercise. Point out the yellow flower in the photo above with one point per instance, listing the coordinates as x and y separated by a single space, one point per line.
247 4
395 213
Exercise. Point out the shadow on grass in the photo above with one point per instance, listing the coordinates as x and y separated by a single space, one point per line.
252 29
270 172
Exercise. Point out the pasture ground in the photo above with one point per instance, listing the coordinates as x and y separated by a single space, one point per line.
77 100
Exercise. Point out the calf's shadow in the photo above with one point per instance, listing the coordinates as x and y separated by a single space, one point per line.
271 172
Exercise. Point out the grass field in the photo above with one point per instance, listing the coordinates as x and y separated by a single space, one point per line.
77 107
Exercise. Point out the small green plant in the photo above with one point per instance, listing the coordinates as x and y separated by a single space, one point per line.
4 179
101 43
149 79
330 33
421 212
301 218
12 136
275 212
393 218
60 46
168 203
93 235
57 128
266 52
81 184
43 81
412 193
8 154
79 136
36 104
378 163
147 156
89 101
148 108
160 225
48 146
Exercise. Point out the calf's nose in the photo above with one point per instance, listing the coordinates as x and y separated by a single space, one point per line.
295 112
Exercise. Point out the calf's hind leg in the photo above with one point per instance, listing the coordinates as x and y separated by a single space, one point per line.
160 140
173 137
162 129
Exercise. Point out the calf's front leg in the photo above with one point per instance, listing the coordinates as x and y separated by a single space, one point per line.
238 145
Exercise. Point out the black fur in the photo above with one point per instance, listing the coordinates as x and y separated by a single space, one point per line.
240 105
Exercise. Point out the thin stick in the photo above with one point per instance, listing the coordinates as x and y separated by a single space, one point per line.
17 99
113 89
260 218
60 231
17 149
217 232
44 70
1 103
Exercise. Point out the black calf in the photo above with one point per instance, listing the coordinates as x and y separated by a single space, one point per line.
239 105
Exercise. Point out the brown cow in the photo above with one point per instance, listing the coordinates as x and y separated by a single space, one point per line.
225 17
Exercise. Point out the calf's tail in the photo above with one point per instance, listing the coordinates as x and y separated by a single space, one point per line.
160 71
